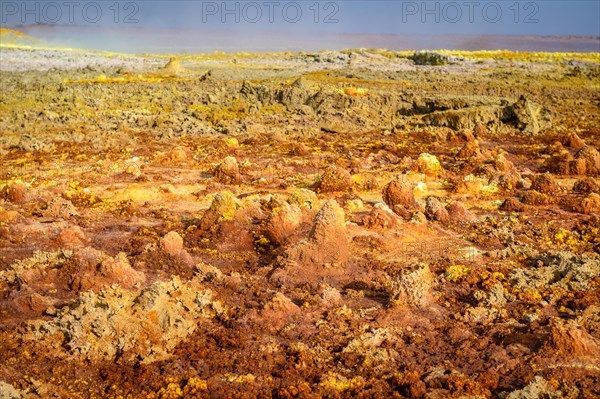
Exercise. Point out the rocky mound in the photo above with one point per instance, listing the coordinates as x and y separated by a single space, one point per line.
560 270
399 196
326 245
146 324
334 179
283 221
228 171
172 68
413 286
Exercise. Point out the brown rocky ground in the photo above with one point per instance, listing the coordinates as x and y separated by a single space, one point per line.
337 224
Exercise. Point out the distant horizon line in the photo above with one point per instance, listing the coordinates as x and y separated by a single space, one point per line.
163 29
143 39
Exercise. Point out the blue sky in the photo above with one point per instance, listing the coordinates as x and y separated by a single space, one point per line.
545 17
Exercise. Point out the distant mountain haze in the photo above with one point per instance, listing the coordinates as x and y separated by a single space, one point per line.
203 26
139 40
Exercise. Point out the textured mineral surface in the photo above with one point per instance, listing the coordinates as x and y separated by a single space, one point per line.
356 224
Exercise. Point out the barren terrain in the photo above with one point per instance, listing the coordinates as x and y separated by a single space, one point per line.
360 223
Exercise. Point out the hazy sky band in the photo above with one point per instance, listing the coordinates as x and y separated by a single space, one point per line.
547 17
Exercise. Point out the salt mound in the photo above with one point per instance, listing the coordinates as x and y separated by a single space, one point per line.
399 196
281 303
327 243
429 164
435 210
7 391
561 270
545 184
227 172
172 243
59 207
335 179
147 323
413 286
573 140
173 68
537 388
223 208
589 160
571 341
589 205
283 221
119 270
381 217
33 268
